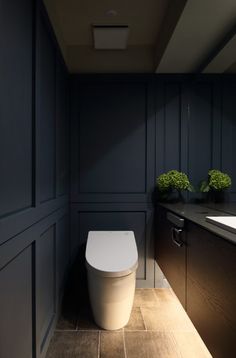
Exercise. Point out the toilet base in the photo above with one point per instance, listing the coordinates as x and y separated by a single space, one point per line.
111 299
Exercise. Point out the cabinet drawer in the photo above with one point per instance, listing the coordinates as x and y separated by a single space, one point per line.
171 255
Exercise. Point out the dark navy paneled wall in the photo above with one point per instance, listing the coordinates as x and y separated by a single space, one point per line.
34 149
16 38
126 130
195 124
228 130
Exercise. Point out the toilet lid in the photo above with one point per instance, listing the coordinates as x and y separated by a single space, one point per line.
112 253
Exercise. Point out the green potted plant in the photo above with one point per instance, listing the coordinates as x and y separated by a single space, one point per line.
173 182
215 185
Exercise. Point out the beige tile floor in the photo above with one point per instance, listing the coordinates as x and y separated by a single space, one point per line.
158 327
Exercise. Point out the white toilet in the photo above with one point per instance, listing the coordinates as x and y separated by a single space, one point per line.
112 261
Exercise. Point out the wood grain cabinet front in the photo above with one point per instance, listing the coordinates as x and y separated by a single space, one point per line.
211 290
170 253
201 268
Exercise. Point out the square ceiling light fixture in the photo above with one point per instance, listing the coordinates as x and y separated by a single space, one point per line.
110 37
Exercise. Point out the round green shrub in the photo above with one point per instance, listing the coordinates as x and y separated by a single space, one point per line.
219 180
163 182
179 180
173 180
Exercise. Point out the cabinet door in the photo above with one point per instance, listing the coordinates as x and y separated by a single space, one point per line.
170 257
211 290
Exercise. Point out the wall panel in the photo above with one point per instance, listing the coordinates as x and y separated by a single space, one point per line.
195 127
112 138
16 307
228 133
45 112
62 121
16 166
34 195
45 283
110 151
33 283
200 128
168 129
62 251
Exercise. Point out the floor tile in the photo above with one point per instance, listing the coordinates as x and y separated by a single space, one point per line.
150 345
112 345
88 345
136 321
85 320
158 327
190 345
69 314
66 322
165 295
144 297
74 345
169 318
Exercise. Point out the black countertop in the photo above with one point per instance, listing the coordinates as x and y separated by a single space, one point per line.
197 214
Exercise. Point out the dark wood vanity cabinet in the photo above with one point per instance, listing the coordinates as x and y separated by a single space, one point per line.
202 273
211 290
170 253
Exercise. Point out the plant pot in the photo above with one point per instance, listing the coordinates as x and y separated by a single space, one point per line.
217 196
173 196
201 198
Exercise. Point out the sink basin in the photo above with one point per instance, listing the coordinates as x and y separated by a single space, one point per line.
225 222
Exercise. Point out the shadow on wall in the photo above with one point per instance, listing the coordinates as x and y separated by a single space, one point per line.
76 290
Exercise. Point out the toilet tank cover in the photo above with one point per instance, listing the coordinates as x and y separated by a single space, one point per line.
111 253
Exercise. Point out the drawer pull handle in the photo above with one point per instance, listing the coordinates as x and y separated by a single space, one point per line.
176 233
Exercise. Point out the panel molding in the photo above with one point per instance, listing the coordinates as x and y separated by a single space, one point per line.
45 107
62 128
228 132
20 228
14 247
16 164
213 108
19 242
119 196
16 305
15 224
45 263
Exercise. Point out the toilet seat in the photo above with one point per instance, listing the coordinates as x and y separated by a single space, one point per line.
111 253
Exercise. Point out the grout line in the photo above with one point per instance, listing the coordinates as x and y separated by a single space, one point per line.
143 318
175 344
99 344
155 295
125 352
136 330
66 330
77 323
88 330
129 330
